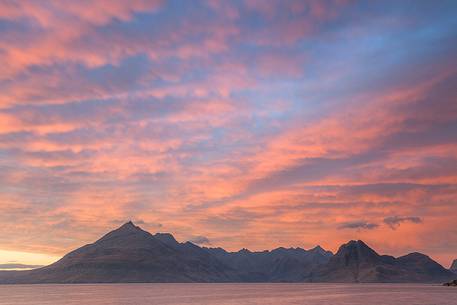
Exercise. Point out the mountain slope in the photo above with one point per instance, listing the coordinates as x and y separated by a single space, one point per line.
454 266
130 254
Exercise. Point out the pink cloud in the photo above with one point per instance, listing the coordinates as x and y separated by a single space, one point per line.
238 132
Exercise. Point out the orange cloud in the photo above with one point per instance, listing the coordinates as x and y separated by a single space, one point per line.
252 124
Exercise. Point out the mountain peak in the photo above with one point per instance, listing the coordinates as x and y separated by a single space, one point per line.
317 248
454 266
357 251
244 250
359 244
128 224
128 227
417 255
166 238
356 242
125 231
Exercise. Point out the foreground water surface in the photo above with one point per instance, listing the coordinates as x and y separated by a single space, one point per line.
229 294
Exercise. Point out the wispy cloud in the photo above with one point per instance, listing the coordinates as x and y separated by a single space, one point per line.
394 221
358 225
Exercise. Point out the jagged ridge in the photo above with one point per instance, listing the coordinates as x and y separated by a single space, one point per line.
130 254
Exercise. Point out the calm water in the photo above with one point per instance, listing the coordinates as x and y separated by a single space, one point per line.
228 294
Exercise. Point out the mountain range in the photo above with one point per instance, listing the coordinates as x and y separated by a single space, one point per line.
130 254
454 266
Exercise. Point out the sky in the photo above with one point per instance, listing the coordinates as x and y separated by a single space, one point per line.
239 124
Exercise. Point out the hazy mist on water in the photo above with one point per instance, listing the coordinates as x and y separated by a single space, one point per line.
229 294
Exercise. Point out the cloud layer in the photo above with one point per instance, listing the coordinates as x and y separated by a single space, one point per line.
246 123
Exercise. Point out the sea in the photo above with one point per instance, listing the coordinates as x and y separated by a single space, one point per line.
228 294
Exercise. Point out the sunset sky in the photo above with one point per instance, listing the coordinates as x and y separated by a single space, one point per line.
240 124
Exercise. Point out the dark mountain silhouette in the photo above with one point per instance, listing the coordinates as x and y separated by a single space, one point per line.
129 254
18 266
278 265
454 266
356 262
